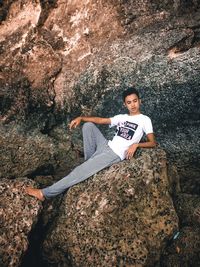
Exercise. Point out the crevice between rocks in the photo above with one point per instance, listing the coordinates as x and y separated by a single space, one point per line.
186 43
46 6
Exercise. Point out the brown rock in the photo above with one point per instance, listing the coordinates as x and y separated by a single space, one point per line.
32 153
18 215
121 216
59 60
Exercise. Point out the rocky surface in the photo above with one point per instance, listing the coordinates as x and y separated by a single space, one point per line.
61 59
183 248
120 217
32 153
18 215
184 251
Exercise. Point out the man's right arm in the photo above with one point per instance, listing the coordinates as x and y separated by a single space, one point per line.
98 120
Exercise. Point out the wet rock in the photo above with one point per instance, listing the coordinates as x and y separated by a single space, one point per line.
18 215
184 251
121 216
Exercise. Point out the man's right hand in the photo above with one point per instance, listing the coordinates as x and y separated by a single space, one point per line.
74 123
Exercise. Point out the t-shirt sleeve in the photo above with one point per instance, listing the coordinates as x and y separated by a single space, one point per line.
148 127
115 120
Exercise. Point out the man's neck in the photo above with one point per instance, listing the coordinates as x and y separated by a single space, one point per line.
134 114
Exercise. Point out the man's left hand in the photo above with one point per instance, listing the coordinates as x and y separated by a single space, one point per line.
131 151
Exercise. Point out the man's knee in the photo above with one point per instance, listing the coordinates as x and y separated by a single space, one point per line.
88 126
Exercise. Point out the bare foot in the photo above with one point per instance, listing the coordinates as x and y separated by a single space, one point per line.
35 193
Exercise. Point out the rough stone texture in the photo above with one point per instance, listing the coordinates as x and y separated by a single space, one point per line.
32 153
18 215
60 59
184 251
120 217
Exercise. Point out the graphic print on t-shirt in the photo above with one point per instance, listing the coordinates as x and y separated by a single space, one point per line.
126 130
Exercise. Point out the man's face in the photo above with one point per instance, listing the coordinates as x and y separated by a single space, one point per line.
132 103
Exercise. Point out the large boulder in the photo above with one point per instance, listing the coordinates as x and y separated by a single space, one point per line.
18 215
122 216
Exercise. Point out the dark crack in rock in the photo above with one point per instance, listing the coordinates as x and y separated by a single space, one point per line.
184 251
18 215
188 209
120 217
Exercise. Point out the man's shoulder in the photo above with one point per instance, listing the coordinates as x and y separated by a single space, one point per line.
145 117
120 115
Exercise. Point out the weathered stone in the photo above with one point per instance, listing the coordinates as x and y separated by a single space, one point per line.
58 62
18 215
119 217
33 153
60 59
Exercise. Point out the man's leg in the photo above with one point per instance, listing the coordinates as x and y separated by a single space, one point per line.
93 139
96 163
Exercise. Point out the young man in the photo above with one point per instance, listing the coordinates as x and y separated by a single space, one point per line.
100 153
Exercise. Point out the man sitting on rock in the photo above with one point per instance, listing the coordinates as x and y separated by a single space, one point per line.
100 153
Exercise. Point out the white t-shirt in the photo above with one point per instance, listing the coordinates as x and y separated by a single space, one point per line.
130 130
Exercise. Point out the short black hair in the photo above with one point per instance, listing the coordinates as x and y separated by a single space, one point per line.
129 91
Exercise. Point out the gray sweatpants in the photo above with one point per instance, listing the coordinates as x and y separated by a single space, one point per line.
98 155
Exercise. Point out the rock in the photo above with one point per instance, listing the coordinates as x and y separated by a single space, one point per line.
184 251
32 153
122 216
188 209
57 62
18 215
